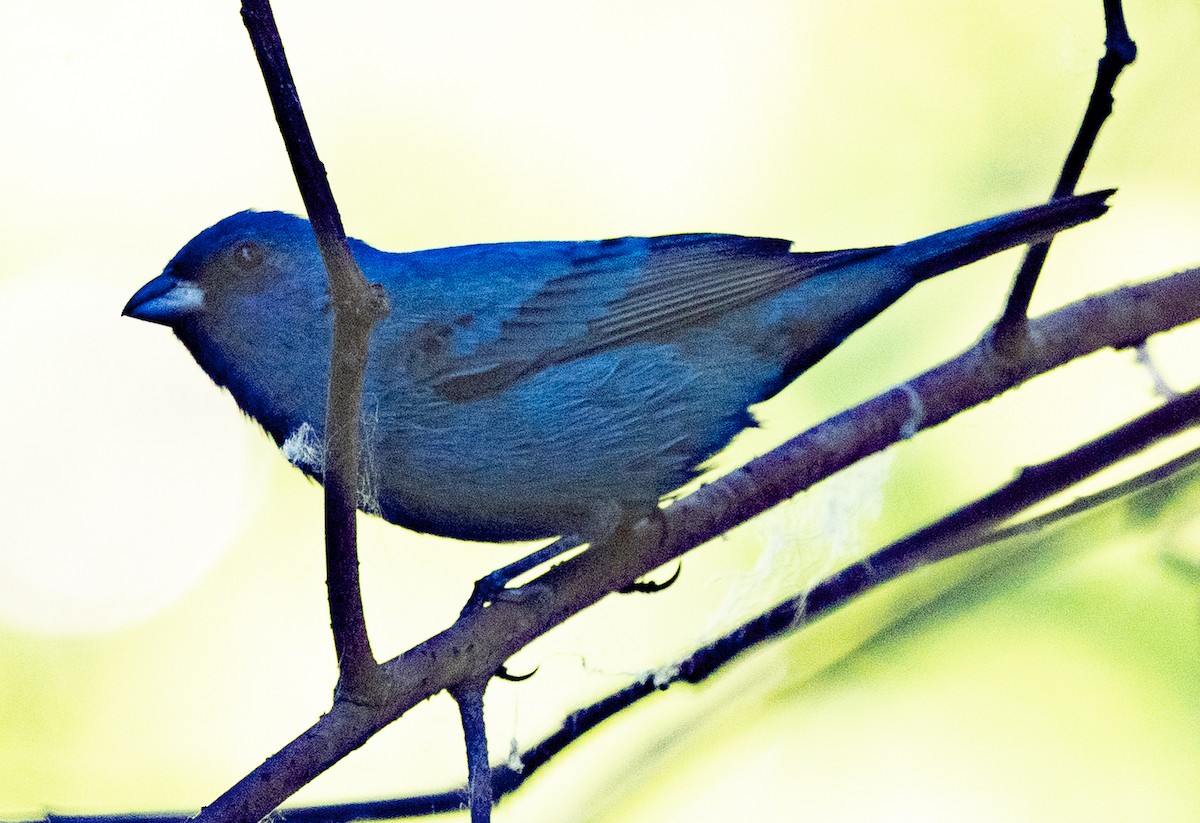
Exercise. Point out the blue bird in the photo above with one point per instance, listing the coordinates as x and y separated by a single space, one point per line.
528 390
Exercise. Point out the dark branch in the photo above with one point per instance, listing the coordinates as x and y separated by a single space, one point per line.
1118 319
1119 52
356 308
965 530
479 773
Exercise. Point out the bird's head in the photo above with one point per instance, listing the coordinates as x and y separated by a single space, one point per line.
241 259
249 299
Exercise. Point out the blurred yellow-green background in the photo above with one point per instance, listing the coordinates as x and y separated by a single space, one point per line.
162 621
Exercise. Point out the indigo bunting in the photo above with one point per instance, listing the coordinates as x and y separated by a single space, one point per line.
528 390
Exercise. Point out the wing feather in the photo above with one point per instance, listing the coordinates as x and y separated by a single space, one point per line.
620 291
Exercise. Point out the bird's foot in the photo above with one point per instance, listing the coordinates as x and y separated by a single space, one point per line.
493 587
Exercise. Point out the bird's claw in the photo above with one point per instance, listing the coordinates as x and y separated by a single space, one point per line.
651 587
504 674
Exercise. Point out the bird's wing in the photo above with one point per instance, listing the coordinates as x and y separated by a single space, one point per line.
617 292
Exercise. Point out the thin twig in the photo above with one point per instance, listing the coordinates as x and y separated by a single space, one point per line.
964 528
1119 52
479 773
1126 488
357 306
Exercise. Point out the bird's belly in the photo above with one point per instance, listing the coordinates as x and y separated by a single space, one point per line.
559 451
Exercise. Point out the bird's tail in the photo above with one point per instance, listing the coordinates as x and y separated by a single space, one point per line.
938 253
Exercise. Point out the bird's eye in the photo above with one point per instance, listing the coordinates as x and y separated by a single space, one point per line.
247 255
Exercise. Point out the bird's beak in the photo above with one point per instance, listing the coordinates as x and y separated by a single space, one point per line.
166 299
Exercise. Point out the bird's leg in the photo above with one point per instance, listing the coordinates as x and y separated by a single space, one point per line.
605 521
491 587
